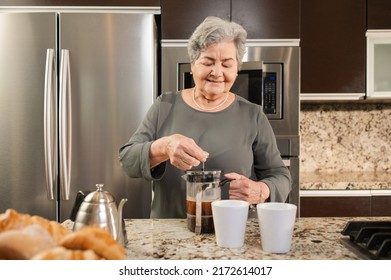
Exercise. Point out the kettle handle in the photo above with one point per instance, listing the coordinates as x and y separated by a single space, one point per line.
81 195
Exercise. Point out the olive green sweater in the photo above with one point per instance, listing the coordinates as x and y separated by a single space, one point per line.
238 139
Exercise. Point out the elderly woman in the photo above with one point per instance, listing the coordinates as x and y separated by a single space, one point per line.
208 123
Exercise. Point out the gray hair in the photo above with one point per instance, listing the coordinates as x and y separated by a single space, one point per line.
215 30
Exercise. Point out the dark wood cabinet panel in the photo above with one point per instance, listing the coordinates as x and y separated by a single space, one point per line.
333 46
154 3
263 19
180 18
268 19
345 206
335 206
381 206
379 14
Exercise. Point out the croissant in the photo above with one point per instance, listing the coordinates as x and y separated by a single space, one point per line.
23 244
23 236
11 220
61 253
97 239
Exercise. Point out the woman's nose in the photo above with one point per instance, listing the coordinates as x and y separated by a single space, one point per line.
217 70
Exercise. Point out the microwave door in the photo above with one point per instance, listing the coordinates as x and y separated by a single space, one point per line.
259 83
185 79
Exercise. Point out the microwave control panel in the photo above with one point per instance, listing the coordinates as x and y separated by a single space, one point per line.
272 90
270 93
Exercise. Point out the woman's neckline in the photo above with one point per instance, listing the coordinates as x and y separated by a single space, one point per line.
186 96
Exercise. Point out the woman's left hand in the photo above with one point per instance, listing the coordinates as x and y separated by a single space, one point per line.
243 188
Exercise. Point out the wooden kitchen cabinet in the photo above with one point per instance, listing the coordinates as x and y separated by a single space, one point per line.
345 206
112 3
335 206
380 206
379 16
268 19
333 46
180 18
263 19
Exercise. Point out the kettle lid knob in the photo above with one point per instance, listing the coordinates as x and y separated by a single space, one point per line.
99 196
99 187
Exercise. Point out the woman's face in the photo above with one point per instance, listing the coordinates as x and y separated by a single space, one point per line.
215 71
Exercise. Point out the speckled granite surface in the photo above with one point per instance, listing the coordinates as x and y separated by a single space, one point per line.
339 180
313 239
345 146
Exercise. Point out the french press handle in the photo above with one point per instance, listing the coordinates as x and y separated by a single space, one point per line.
224 181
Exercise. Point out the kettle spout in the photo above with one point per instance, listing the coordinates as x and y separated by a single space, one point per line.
121 232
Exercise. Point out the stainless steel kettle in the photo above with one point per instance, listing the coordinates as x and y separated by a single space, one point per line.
99 208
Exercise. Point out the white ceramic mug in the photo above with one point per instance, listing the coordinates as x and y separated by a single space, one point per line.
230 220
276 223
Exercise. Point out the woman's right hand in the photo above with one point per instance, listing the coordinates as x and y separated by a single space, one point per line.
182 151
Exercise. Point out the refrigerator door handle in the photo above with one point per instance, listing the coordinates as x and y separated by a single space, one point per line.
65 125
49 123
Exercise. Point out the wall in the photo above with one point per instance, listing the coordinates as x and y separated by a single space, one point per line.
345 138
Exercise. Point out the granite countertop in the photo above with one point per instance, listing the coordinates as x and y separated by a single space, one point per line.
313 239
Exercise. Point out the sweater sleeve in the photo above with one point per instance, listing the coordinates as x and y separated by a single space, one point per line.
134 155
268 164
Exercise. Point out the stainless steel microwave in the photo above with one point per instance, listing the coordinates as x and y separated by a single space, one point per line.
260 83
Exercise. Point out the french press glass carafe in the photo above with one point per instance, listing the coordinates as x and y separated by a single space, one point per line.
202 188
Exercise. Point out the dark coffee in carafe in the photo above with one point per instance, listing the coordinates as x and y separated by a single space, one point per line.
202 188
207 225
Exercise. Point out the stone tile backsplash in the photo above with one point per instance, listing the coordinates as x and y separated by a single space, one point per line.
345 138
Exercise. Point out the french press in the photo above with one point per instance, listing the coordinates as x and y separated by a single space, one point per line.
202 188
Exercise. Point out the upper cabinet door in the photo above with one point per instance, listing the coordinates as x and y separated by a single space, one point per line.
333 46
180 18
268 19
111 3
379 16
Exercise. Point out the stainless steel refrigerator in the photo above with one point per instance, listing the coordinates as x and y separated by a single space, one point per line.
73 88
